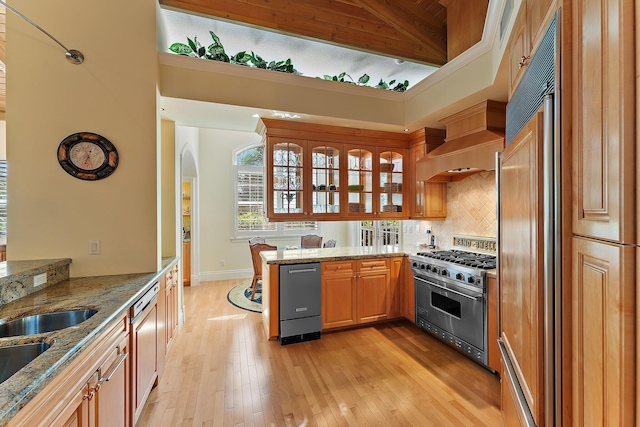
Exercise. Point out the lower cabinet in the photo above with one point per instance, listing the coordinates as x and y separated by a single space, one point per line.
360 291
171 307
408 291
92 391
493 351
144 346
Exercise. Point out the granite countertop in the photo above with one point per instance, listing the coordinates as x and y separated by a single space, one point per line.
297 256
111 296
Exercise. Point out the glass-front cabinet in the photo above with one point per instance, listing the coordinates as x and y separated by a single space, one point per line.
326 162
360 181
391 174
286 183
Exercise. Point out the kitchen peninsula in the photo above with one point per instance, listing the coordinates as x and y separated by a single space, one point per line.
56 382
359 284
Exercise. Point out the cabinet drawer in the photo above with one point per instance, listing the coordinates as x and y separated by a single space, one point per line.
372 264
338 267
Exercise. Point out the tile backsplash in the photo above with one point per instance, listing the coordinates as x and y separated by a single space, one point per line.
471 210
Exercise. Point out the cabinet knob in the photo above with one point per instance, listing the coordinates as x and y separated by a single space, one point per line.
523 61
339 267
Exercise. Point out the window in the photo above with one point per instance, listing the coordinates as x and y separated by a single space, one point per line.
376 233
3 198
249 186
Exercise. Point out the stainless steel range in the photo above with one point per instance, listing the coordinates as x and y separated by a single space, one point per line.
451 298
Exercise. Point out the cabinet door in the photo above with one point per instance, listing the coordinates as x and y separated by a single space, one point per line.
408 292
493 351
511 415
360 182
435 200
338 300
111 399
325 179
80 416
603 337
395 288
144 367
603 129
539 13
519 54
390 187
161 336
186 262
373 295
521 291
169 321
286 181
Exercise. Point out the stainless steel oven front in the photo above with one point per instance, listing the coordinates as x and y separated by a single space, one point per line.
454 313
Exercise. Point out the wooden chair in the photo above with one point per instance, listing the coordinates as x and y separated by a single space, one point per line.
311 241
257 264
256 240
330 244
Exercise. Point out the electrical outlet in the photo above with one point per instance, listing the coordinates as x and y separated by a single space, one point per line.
427 229
40 279
94 247
222 263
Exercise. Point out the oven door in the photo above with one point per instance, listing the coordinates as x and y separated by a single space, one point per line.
456 310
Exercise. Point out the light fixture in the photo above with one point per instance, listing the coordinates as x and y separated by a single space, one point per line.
280 115
463 170
406 130
73 56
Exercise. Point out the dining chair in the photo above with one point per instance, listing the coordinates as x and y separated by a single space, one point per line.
331 243
255 240
311 241
257 264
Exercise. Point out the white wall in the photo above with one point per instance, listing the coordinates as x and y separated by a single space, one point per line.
113 93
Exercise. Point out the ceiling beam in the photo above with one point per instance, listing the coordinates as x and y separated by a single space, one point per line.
333 21
411 20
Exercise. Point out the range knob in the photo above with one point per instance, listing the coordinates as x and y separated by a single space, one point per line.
444 272
414 264
422 267
471 280
460 276
428 267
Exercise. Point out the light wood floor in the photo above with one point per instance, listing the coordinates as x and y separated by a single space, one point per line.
221 371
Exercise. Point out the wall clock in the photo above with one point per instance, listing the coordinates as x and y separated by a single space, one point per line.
87 156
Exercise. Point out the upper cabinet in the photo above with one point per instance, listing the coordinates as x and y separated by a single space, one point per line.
603 125
319 172
427 200
528 30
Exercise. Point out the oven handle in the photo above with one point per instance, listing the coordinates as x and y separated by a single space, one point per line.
471 297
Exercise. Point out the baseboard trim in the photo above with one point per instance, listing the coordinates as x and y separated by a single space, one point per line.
225 275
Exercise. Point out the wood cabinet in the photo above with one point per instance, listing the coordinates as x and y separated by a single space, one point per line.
171 306
528 30
493 351
360 291
144 350
408 291
318 172
511 415
82 395
162 326
603 126
373 290
339 294
521 236
603 337
427 200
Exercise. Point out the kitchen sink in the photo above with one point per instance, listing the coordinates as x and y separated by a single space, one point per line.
15 357
47 322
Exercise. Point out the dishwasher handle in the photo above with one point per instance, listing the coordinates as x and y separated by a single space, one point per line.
303 270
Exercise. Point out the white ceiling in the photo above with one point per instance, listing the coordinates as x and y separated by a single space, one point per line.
309 57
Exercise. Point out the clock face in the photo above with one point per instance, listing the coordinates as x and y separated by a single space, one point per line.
87 156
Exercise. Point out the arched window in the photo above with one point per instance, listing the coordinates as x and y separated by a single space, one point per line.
249 184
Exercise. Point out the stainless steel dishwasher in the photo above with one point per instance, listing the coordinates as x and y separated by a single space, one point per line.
300 298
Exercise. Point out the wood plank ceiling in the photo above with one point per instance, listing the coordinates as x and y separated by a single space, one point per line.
414 30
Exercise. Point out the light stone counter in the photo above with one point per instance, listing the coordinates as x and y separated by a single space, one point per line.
299 256
111 296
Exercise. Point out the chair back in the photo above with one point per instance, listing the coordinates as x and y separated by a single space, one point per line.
256 240
311 241
331 243
255 257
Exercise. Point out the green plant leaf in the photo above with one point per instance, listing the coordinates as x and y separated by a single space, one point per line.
202 51
328 77
192 44
181 49
215 38
364 79
392 82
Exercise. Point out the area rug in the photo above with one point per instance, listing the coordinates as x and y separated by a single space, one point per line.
240 296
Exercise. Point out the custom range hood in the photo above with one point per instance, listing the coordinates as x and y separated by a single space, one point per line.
473 137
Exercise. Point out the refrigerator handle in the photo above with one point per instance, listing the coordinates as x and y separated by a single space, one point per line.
522 406
498 203
548 201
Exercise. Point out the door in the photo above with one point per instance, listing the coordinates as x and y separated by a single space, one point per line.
521 234
338 299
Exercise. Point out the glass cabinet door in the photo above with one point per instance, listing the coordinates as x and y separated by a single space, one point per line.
391 174
325 179
288 178
360 181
